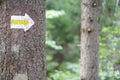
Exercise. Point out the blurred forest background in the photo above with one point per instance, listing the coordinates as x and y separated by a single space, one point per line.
63 40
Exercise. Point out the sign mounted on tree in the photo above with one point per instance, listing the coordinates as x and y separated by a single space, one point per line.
22 38
21 22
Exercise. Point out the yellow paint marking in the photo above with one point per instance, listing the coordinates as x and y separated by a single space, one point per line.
20 22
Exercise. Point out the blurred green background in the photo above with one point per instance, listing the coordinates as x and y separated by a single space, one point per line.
63 40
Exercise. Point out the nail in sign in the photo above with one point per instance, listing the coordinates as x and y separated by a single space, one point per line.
21 22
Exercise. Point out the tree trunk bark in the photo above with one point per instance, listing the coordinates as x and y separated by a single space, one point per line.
22 53
89 40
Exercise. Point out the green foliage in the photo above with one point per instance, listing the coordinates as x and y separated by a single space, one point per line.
62 38
109 53
108 10
67 26
70 72
109 42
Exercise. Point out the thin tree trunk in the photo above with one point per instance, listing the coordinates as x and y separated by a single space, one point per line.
22 53
89 40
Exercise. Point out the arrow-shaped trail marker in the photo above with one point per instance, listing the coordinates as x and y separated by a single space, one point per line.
21 22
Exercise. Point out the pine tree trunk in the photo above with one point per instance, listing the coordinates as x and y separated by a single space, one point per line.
22 53
89 40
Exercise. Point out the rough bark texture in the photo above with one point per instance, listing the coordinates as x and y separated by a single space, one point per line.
89 40
22 54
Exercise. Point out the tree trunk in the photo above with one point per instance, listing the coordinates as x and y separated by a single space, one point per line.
89 40
22 52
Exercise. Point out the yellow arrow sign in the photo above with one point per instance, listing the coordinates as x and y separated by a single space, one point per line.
20 22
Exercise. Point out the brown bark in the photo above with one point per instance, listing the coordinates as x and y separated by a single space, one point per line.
89 40
22 54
